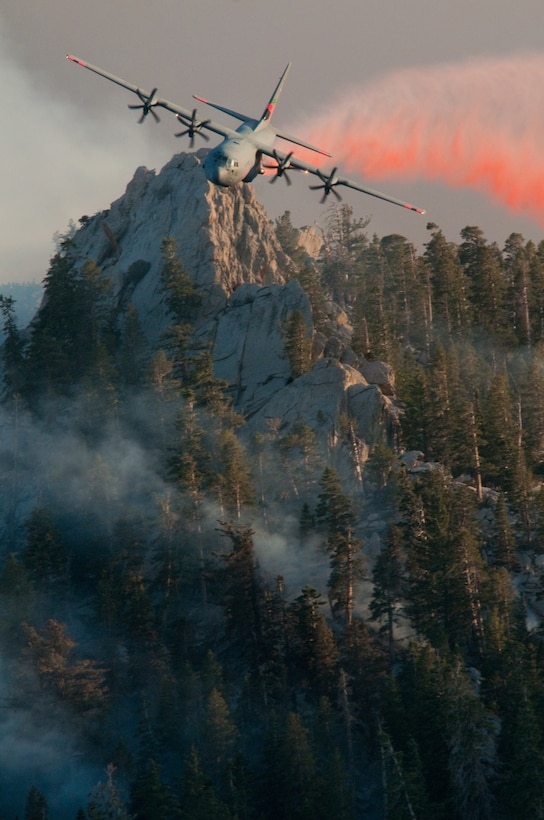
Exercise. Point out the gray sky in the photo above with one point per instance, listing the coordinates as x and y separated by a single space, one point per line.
69 145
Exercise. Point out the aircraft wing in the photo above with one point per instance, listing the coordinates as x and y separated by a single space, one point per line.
329 182
148 101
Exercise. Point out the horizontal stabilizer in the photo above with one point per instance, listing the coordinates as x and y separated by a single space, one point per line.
229 111
303 144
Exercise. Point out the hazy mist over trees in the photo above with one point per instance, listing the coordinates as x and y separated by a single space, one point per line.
203 621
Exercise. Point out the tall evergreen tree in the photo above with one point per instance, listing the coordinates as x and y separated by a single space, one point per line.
488 285
335 511
387 577
198 799
312 646
179 289
36 805
12 347
297 343
451 308
45 556
516 263
240 588
150 798
232 481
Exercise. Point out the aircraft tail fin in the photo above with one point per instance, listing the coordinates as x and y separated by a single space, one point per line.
269 110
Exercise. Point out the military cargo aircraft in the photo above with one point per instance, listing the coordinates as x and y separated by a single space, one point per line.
239 157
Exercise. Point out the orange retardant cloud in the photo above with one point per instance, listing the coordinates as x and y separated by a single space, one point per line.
478 124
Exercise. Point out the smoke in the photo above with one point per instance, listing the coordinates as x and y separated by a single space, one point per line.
50 759
477 124
59 162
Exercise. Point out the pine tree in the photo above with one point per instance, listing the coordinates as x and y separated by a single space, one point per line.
181 297
445 567
312 646
440 410
36 805
531 406
522 755
219 732
424 710
45 557
297 343
387 577
503 543
150 799
451 308
398 786
17 600
372 335
232 482
345 242
55 334
300 458
105 802
198 799
536 285
134 350
79 684
290 782
310 282
471 747
500 452
346 569
12 347
287 235
334 510
488 286
416 421
406 291
516 258
240 588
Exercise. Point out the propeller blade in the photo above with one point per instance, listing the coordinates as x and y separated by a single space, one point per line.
147 106
328 186
193 127
282 164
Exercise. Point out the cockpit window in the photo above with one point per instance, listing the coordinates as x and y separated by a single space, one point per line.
226 162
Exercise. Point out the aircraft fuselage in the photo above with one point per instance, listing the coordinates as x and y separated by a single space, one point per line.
238 159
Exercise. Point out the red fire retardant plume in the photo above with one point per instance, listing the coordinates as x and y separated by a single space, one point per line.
479 124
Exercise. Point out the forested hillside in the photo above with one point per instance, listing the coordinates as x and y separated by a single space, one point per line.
214 619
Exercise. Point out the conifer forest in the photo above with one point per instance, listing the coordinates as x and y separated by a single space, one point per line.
203 622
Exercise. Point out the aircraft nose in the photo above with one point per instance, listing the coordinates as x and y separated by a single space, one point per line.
210 169
222 176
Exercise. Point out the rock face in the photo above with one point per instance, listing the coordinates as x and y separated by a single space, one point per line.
228 246
223 236
248 341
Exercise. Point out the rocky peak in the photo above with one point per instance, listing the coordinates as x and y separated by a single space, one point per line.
224 238
228 246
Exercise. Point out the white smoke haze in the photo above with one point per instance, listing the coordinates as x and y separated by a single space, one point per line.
57 164
476 124
52 464
46 758
280 553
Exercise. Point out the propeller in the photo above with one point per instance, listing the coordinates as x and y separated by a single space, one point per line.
281 167
193 127
148 104
328 185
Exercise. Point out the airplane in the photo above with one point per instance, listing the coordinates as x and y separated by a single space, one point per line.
239 157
